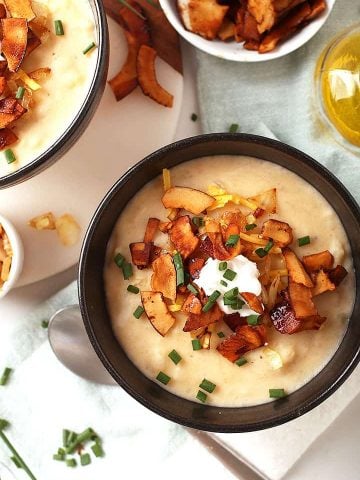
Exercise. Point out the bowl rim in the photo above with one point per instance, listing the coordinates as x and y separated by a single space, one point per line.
303 407
239 54
70 135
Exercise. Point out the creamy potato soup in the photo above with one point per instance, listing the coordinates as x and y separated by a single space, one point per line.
264 304
64 90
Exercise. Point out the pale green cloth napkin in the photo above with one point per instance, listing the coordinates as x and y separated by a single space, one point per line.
276 99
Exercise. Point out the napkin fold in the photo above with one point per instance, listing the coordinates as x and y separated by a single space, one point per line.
277 99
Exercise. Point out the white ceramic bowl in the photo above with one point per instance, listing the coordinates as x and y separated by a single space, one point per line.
18 256
235 51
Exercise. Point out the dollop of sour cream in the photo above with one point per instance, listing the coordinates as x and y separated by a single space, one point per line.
246 280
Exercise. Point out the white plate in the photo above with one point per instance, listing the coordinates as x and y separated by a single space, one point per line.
120 135
235 51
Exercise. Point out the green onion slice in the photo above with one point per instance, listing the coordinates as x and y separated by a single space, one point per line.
81 438
127 270
229 275
232 294
222 266
71 462
232 240
196 345
163 378
198 221
97 450
59 28
20 93
119 260
207 385
234 127
221 334
211 301
250 226
201 396
304 241
269 246
133 289
59 457
253 320
89 48
194 117
192 289
223 283
9 156
261 252
241 361
139 311
5 376
175 357
277 393
237 304
85 459
44 323
179 267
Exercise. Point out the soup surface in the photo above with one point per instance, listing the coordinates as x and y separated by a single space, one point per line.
63 92
286 361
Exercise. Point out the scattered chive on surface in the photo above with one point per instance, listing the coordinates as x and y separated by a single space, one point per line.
201 396
222 266
192 289
5 376
79 439
232 294
44 323
304 241
277 393
196 345
59 28
97 450
163 378
234 127
71 462
65 437
211 301
85 459
261 252
232 241
175 357
131 8
59 457
221 334
223 283
9 156
269 246
198 221
16 461
139 311
253 320
207 385
133 289
194 117
237 304
250 226
127 270
20 93
89 48
179 267
229 275
241 361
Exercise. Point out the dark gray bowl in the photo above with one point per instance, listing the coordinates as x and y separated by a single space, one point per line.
96 318
85 114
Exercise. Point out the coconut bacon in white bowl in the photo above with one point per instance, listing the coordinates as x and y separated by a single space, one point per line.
11 256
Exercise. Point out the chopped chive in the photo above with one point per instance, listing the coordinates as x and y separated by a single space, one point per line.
229 301
207 385
269 246
71 462
5 376
277 393
175 357
237 304
304 241
9 155
97 450
89 48
234 127
71 438
196 345
58 457
59 29
201 396
16 461
133 289
232 240
250 226
119 260
65 437
139 311
81 438
253 320
198 221
179 267
211 301
222 266
194 117
223 283
229 274
192 289
20 93
3 424
131 8
45 323
261 252
241 361
127 270
163 378
85 459
61 451
221 334
232 294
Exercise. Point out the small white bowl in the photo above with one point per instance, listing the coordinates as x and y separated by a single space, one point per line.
18 256
235 51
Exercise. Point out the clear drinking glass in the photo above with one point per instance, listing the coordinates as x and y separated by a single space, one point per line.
337 80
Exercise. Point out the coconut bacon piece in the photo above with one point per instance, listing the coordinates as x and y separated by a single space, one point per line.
20 9
253 301
189 199
297 272
164 277
141 253
14 42
301 300
183 237
322 283
280 232
204 17
194 322
318 261
146 74
10 110
337 275
192 305
266 200
195 265
151 229
246 338
157 312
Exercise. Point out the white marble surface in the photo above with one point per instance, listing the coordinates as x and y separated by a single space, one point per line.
331 457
